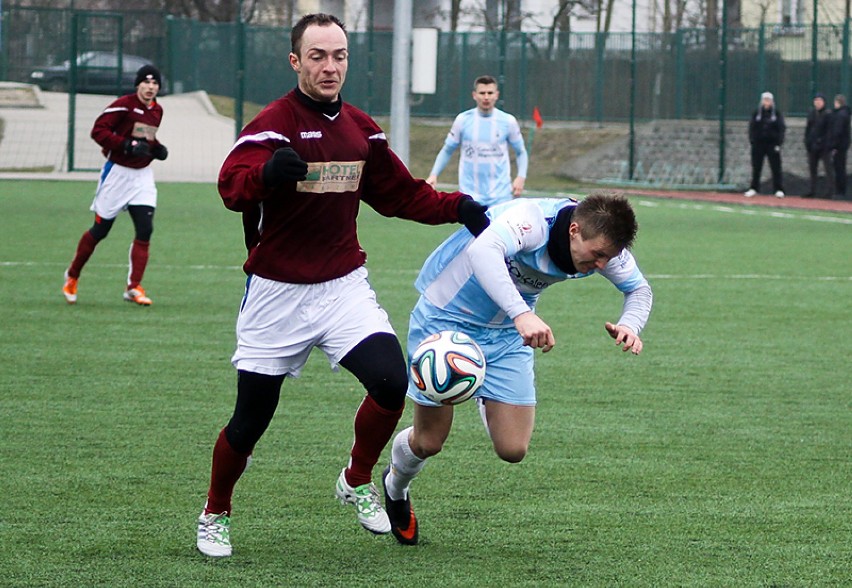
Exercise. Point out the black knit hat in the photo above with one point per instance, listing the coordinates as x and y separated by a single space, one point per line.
147 72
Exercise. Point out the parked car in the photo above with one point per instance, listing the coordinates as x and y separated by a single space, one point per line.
96 74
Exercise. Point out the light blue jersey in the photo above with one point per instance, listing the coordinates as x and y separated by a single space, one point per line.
459 292
484 167
521 229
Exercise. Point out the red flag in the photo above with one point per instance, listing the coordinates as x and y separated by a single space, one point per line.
539 122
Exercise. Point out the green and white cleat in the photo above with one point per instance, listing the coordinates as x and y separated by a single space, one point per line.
368 507
214 534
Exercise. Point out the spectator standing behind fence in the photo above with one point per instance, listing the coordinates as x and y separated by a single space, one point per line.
766 130
839 144
127 133
484 134
816 144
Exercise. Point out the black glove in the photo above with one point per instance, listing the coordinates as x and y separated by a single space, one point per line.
137 147
159 151
284 165
472 215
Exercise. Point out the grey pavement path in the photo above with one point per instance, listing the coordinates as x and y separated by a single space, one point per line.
197 137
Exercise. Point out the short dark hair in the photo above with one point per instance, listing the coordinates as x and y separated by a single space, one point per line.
607 213
320 19
484 80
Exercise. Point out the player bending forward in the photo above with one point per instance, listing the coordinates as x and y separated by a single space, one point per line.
487 287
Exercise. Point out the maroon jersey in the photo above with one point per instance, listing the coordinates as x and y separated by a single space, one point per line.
127 117
308 228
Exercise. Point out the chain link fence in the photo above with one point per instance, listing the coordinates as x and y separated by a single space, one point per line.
581 77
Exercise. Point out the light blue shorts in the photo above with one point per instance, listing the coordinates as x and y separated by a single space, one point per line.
509 374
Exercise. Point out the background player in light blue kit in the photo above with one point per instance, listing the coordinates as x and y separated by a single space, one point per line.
487 287
484 134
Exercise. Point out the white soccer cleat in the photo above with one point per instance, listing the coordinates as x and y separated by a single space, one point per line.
368 507
214 534
779 194
750 192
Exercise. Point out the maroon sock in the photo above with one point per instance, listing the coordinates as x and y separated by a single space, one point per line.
374 426
138 261
228 466
85 248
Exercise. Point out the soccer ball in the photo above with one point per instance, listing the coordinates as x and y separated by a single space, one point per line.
448 367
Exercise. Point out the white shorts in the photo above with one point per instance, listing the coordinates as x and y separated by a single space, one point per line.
120 187
280 323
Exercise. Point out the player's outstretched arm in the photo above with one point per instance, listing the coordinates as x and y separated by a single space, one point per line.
535 332
626 337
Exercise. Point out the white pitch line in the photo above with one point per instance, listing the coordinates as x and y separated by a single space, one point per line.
415 271
749 277
804 215
123 265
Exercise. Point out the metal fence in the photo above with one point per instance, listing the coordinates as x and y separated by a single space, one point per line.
576 76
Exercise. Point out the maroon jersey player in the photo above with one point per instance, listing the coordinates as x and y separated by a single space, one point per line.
299 172
127 133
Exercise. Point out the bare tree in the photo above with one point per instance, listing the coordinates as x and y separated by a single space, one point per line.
711 18
455 10
763 5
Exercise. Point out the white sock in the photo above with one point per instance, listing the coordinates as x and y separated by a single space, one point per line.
480 404
404 466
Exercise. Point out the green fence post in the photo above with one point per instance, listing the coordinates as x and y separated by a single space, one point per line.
632 149
370 56
502 69
463 79
723 74
761 58
814 51
3 50
522 78
120 54
72 89
241 71
680 73
600 47
844 61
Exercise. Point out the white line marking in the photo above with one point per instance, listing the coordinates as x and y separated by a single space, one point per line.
789 214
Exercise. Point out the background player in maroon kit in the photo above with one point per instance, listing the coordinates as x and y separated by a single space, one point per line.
127 133
298 173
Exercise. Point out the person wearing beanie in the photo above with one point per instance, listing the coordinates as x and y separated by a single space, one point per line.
148 72
766 134
127 133
838 140
816 145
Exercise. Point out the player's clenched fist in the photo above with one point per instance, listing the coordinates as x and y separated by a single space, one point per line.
472 215
534 331
284 165
137 147
159 151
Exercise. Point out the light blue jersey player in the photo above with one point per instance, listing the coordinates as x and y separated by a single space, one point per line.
487 287
484 134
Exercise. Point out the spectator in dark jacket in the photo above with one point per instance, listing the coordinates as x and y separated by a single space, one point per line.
816 144
766 134
839 144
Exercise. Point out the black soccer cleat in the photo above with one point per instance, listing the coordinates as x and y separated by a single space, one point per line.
403 522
